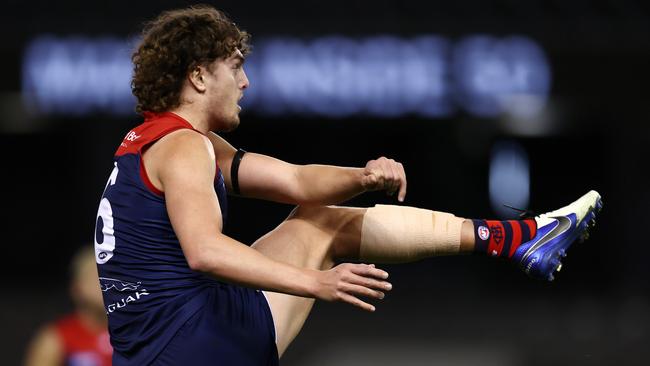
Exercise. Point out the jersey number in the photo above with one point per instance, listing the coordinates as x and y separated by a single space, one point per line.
104 232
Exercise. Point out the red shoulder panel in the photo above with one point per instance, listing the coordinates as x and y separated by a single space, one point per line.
155 126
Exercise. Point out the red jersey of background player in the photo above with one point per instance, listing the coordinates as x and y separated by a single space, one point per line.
83 346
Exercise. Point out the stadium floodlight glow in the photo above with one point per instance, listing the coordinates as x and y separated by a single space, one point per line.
509 178
333 76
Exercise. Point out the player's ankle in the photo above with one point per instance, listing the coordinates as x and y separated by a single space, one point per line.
502 238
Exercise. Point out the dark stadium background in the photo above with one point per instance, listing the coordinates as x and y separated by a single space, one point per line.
449 311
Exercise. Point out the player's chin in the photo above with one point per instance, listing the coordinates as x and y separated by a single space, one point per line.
232 124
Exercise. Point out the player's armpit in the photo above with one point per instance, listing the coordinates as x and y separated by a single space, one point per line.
224 153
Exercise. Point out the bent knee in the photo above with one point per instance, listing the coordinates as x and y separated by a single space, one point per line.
331 216
312 213
342 225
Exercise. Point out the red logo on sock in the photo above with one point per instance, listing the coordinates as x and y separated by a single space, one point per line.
497 233
495 246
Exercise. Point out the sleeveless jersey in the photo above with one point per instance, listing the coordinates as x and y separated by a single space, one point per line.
148 288
82 346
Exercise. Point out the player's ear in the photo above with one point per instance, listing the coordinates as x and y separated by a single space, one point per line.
196 78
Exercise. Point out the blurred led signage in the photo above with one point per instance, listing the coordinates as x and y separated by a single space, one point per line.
78 76
492 75
334 76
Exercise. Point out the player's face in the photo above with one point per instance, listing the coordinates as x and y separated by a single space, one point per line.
226 81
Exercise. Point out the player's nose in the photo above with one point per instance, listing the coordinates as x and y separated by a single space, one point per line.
244 83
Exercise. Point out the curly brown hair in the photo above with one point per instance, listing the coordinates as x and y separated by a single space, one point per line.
175 43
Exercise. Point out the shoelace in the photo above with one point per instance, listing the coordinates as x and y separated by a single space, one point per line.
523 214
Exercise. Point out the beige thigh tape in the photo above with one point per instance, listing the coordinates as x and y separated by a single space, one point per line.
399 233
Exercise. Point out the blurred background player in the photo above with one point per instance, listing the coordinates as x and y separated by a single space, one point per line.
80 338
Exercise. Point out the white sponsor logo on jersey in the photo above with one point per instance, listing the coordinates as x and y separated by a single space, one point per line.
126 300
131 136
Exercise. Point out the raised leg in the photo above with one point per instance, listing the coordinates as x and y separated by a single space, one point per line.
309 238
315 237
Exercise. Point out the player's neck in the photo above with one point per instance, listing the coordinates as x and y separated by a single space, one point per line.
194 116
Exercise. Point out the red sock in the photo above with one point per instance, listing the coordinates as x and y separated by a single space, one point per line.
502 238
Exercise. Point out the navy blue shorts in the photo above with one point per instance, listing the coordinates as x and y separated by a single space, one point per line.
235 327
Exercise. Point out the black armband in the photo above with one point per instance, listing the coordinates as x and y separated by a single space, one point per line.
234 170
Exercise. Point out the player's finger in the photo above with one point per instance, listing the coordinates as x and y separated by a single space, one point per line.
370 181
389 176
358 290
381 178
356 302
370 283
402 176
396 181
369 271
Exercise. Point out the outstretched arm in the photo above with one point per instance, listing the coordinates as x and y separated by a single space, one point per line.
187 178
264 177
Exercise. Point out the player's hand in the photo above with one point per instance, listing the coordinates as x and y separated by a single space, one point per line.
347 282
385 174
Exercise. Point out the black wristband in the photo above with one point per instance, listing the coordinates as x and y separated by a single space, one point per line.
234 170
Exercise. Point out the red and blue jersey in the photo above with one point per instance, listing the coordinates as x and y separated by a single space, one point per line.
148 288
